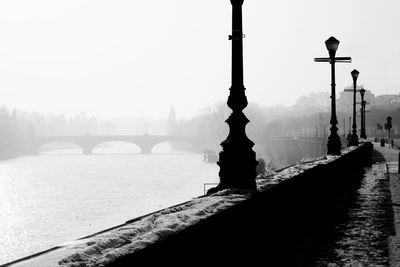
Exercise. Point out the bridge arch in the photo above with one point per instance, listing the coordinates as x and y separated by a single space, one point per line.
145 142
116 147
173 146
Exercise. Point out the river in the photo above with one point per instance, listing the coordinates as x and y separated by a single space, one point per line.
58 196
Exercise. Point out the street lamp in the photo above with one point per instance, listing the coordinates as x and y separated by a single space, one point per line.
332 44
363 102
354 137
237 160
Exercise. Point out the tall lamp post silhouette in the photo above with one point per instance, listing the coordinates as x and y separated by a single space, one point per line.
334 144
237 160
363 103
354 137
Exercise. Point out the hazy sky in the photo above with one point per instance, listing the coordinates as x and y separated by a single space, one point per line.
135 57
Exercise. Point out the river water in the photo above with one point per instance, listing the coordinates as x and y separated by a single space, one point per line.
59 196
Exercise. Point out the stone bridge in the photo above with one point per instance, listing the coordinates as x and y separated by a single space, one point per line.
145 142
289 148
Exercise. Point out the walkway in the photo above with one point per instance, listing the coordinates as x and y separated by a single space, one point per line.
391 156
364 230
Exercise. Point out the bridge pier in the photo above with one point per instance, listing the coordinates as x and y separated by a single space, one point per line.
145 150
87 150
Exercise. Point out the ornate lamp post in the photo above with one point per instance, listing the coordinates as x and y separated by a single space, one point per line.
354 137
334 144
237 160
363 102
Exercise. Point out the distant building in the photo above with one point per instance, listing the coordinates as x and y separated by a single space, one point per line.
172 122
388 102
345 102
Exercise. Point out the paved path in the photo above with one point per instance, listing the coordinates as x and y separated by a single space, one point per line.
391 156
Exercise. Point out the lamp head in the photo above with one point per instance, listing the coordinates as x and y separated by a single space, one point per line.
332 45
354 74
362 92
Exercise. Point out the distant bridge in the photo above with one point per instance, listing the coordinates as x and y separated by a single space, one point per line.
291 147
145 142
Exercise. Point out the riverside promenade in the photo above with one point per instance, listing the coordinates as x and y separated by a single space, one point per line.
391 157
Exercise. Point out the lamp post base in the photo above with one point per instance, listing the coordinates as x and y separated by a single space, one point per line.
334 145
237 160
237 168
354 140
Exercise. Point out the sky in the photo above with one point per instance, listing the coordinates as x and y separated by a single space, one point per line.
139 58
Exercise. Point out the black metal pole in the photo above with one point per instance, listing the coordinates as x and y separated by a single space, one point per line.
349 125
354 137
362 119
237 160
363 133
334 144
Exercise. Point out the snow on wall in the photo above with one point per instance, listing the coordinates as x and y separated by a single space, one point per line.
104 248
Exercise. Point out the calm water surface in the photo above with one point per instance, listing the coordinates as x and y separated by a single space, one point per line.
54 198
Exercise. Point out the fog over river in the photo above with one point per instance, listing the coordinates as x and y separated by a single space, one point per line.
61 195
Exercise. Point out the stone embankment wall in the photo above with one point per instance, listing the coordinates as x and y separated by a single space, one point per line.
270 226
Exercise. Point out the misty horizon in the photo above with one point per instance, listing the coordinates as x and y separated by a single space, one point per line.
181 113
